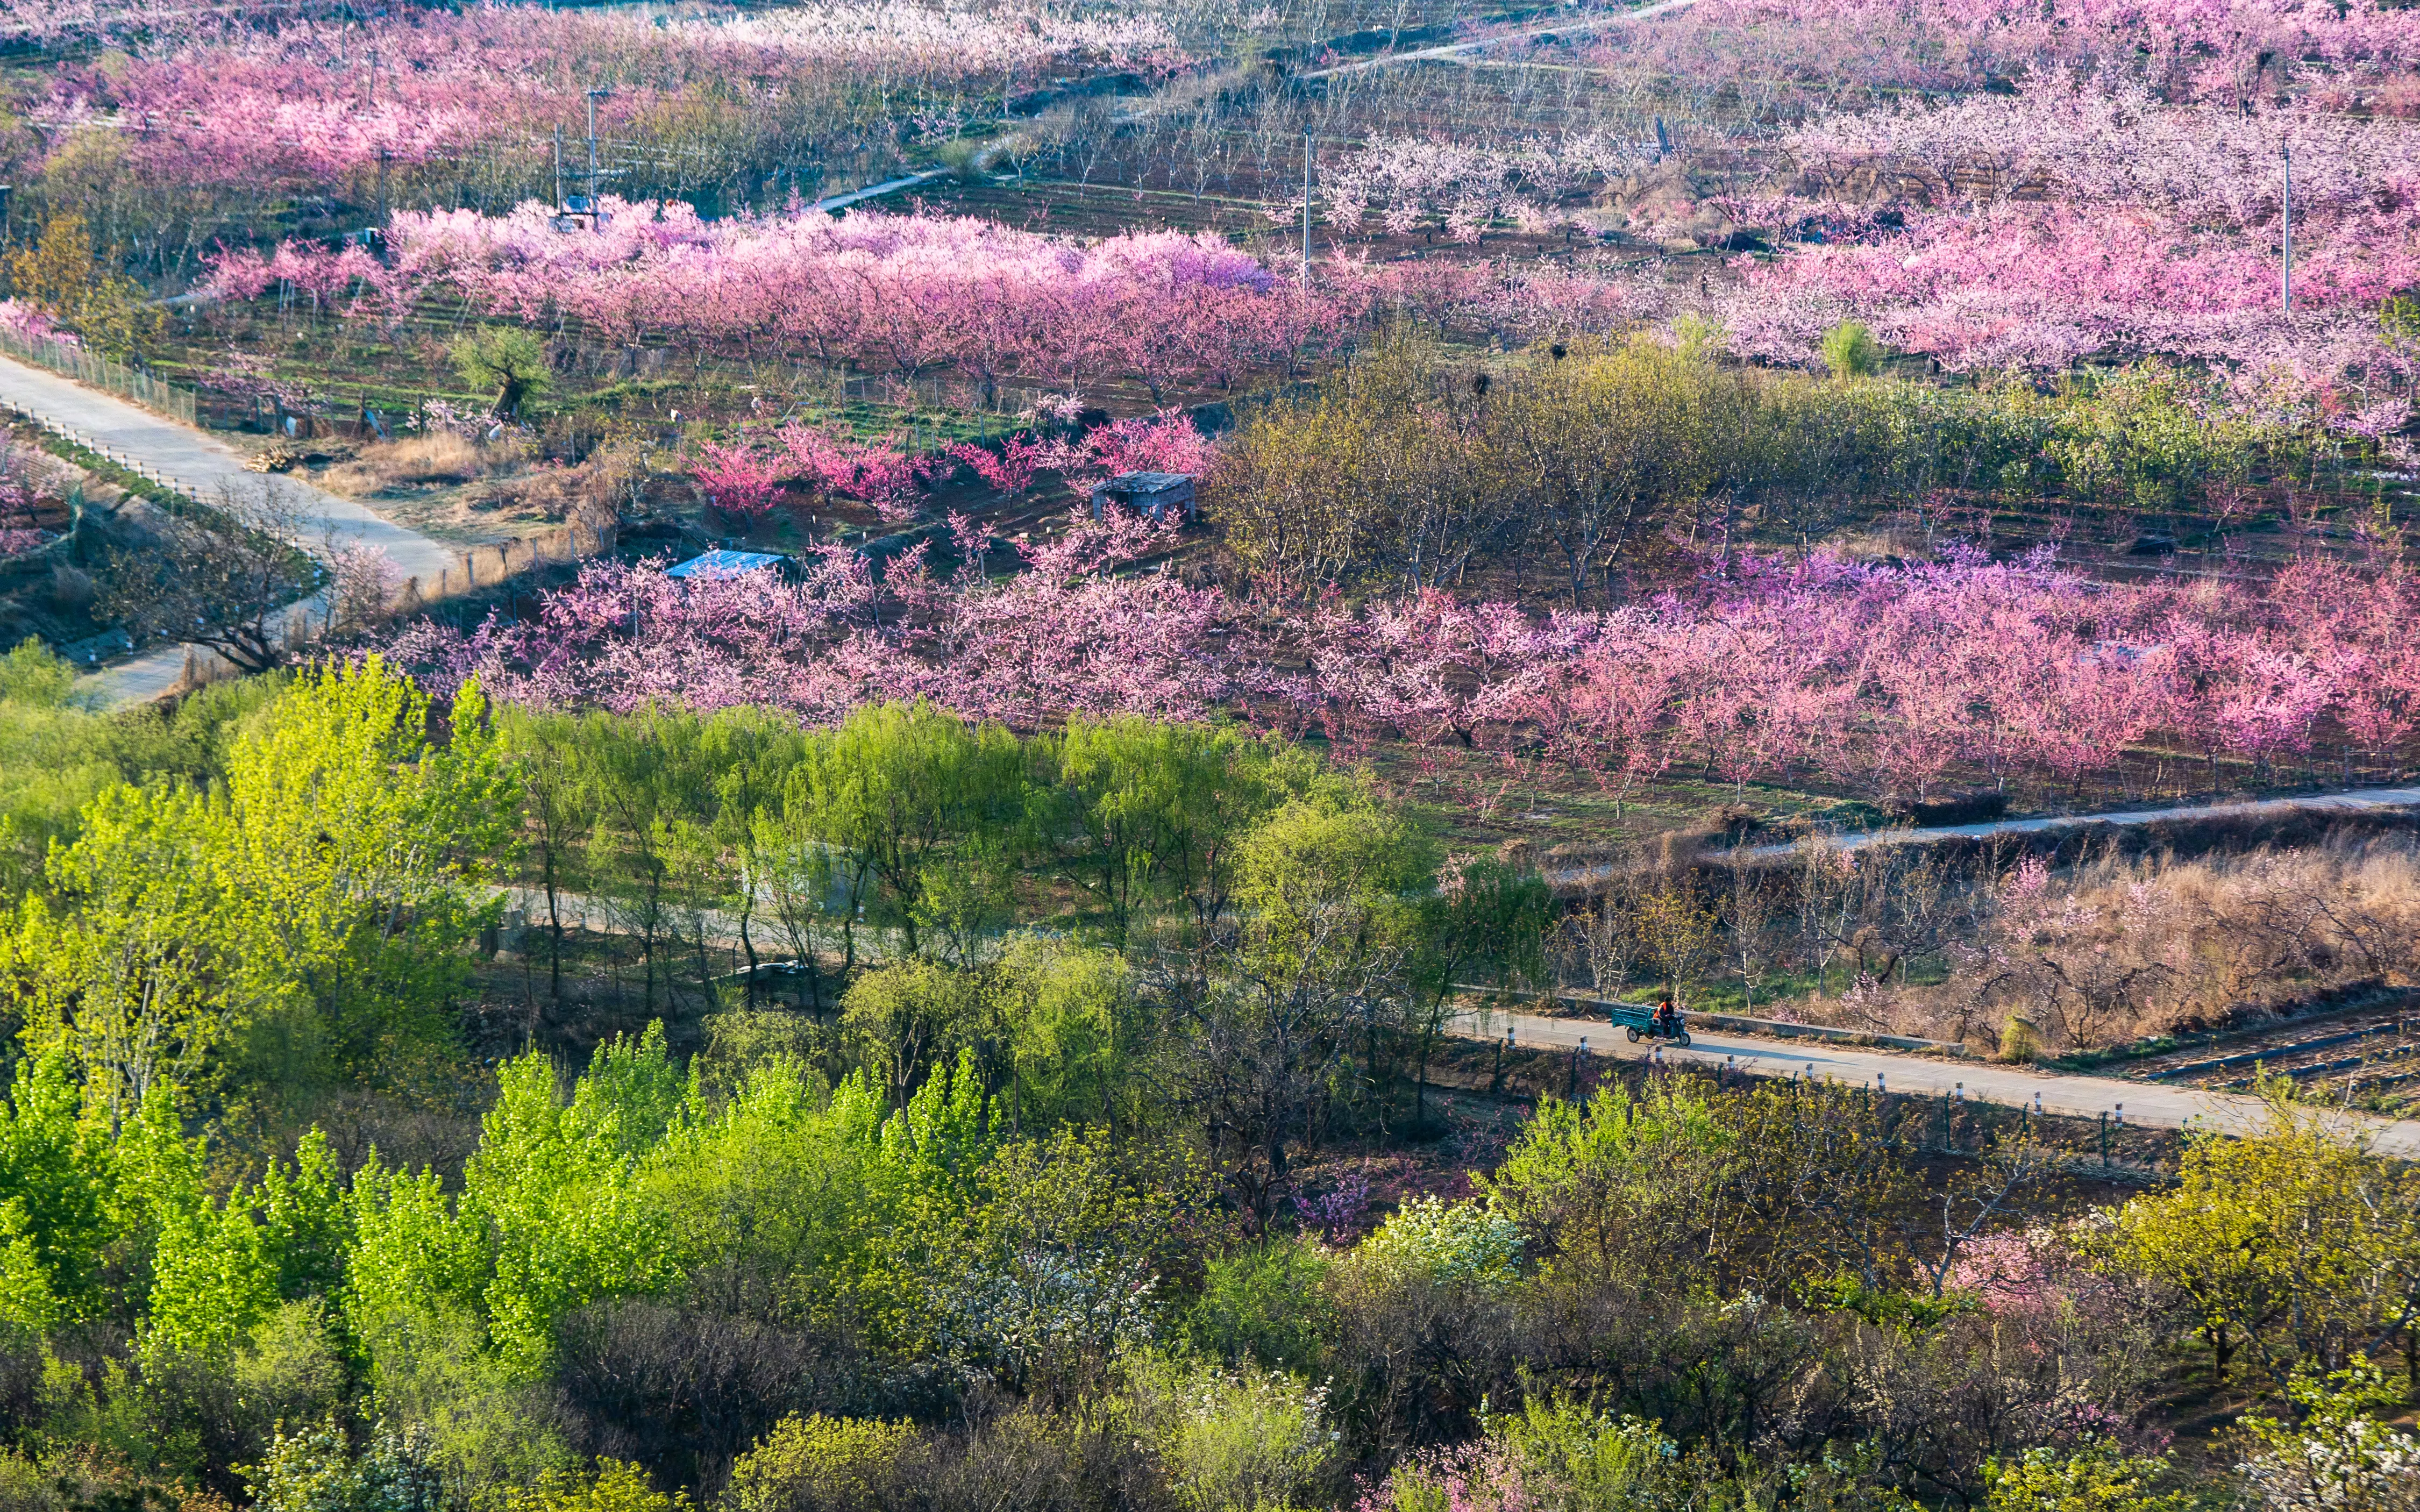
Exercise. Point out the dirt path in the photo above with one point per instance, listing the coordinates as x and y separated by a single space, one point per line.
200 467
1481 44
834 204
2156 1107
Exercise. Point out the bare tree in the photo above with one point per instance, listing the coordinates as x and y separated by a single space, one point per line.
221 577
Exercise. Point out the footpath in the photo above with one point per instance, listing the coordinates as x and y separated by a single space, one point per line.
203 469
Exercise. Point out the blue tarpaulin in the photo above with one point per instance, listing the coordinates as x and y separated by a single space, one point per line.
724 563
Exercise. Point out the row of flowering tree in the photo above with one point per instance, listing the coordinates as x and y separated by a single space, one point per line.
1879 679
2074 218
238 103
747 473
906 294
2224 51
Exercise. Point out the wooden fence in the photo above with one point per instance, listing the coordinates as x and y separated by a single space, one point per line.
485 566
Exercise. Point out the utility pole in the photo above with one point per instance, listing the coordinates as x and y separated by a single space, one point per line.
384 156
1306 207
2286 218
594 216
558 168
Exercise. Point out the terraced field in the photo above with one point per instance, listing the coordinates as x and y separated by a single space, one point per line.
2365 1057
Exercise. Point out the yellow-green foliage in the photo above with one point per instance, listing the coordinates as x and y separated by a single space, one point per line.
821 1464
1448 1243
2293 1247
2098 1478
615 1486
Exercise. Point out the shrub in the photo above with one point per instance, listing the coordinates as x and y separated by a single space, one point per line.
316 1470
1265 1306
1234 1441
1851 351
821 1464
616 1486
1451 1243
2098 1478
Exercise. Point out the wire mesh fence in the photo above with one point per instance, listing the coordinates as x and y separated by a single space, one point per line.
98 372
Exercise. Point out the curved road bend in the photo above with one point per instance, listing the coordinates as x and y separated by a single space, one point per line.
2146 1103
200 466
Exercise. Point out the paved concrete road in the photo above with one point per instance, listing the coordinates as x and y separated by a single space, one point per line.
2164 1107
832 203
2160 1107
2353 801
1481 44
200 466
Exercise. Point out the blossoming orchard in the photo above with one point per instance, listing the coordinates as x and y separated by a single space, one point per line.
1210 756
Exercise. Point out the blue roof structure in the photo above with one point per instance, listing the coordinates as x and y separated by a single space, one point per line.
723 563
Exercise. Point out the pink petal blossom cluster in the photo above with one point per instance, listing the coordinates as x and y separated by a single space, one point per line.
2076 218
31 323
1075 631
219 103
1881 679
905 294
747 474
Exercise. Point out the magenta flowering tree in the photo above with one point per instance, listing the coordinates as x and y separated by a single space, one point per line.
736 479
1010 470
1164 443
875 473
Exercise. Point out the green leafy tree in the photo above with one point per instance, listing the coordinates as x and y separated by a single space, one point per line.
1073 1030
301 921
907 1020
1488 917
921 804
1258 1052
2295 1248
506 359
551 1216
1140 811
1617 1186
